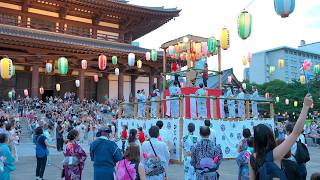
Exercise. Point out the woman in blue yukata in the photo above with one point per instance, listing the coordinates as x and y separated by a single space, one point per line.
6 158
175 91
154 97
254 103
189 141
202 108
241 107
206 157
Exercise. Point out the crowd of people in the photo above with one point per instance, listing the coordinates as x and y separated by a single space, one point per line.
67 125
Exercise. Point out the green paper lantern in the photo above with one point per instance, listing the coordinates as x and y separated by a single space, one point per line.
212 45
114 60
154 55
277 99
244 24
63 65
10 94
316 69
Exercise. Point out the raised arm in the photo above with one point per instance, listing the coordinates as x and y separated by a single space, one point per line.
280 151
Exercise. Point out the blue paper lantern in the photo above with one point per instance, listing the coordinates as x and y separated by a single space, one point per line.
131 59
284 7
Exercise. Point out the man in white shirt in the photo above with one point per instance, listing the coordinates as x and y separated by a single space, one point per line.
212 136
302 167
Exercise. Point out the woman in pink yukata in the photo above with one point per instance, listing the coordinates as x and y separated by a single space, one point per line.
73 172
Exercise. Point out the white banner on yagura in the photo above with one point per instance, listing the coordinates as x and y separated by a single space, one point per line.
228 133
170 125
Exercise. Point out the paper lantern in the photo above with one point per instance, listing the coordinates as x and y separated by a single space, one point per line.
185 39
58 87
77 82
229 79
316 69
154 55
179 48
198 48
148 56
96 78
84 64
277 99
266 95
114 60
204 48
193 47
102 62
183 56
272 69
249 57
225 39
284 7
174 67
295 103
131 59
139 64
62 65
287 101
116 71
244 60
244 24
48 67
26 92
244 86
302 79
172 50
281 63
13 70
212 45
10 94
306 65
41 90
6 68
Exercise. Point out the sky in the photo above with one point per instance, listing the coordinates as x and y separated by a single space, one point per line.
206 18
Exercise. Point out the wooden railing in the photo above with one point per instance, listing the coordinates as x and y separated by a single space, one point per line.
130 110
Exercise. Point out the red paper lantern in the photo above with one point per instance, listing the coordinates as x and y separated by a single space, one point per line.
84 64
96 78
174 67
102 60
41 90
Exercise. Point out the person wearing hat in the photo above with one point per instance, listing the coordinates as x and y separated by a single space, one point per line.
105 154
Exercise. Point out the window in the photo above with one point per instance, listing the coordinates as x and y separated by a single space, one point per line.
78 30
8 19
42 24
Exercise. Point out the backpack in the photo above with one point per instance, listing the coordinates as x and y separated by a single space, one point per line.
125 170
154 166
302 153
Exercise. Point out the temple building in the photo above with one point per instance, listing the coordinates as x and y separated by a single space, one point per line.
36 32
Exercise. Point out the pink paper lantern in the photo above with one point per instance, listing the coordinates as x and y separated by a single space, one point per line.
84 64
26 92
249 56
229 79
41 90
266 96
204 48
96 78
287 101
102 61
148 56
306 65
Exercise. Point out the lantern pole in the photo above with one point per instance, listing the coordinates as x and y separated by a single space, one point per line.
219 64
164 71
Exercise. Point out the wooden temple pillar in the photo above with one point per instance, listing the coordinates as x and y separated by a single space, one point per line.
35 81
120 86
151 82
82 85
159 82
133 85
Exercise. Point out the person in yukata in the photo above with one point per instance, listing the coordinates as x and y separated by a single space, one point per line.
206 157
144 102
154 97
139 101
104 154
231 103
175 91
202 108
188 143
241 107
221 104
205 75
254 103
6 158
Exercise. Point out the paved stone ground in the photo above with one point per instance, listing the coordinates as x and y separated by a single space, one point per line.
27 162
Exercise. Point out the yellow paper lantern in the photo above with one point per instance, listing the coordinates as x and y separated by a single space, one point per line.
281 63
6 68
139 64
225 39
302 79
295 103
244 60
58 87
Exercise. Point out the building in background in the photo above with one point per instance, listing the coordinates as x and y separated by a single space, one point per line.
246 74
263 63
